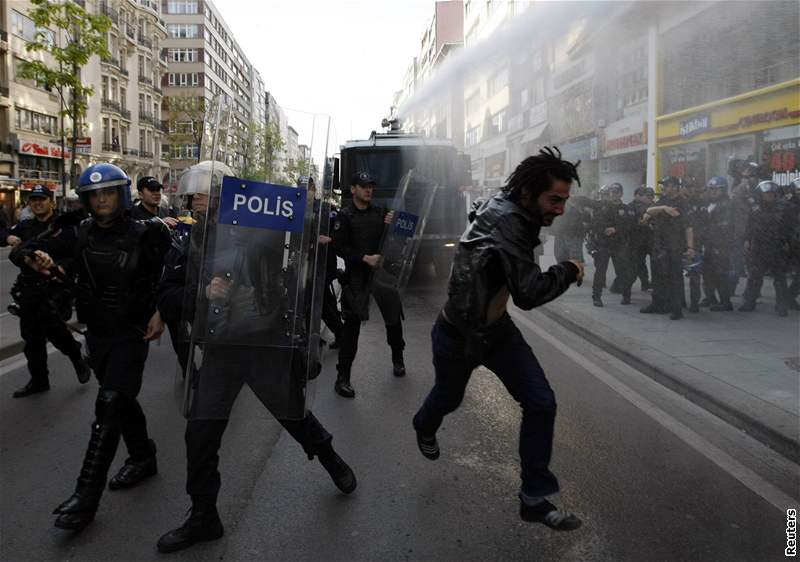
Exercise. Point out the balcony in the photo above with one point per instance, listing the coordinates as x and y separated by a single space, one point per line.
144 41
146 119
125 113
145 80
38 174
130 32
110 105
111 147
162 126
146 155
130 152
158 90
4 91
110 12
110 61
124 72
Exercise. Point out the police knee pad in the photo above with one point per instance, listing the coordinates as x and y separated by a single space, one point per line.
110 405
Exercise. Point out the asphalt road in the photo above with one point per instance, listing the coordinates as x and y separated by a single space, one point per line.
652 476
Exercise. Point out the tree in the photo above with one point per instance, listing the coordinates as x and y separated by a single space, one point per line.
80 36
259 146
295 169
186 121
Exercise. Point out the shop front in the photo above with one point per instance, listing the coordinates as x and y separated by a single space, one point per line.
39 163
760 126
624 154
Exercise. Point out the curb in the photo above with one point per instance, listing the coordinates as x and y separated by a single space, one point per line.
777 441
11 350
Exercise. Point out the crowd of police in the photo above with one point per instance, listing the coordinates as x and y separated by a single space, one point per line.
714 235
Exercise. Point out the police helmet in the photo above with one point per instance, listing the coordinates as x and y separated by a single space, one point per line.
100 176
717 182
198 178
645 190
670 180
615 187
768 186
793 187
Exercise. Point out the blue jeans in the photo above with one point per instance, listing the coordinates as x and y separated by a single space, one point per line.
504 352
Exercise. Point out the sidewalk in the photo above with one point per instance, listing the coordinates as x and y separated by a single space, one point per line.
743 367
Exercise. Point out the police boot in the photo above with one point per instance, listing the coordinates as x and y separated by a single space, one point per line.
31 388
341 474
342 386
138 467
597 301
398 365
79 510
202 525
81 364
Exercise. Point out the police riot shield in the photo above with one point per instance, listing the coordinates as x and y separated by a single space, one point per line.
247 321
401 241
244 295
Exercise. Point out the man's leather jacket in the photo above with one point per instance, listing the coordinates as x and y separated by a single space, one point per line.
496 250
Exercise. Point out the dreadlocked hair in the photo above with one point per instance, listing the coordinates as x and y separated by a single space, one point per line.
536 173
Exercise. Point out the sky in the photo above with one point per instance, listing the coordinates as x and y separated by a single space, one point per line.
344 58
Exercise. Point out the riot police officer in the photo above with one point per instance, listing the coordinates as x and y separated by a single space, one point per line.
767 243
641 236
717 243
697 215
791 197
43 304
612 224
226 369
672 237
118 262
358 231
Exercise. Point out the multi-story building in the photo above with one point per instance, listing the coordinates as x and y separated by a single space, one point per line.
440 114
206 61
123 122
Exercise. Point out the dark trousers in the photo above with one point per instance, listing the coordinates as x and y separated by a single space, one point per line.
619 255
203 440
504 352
639 253
118 362
759 266
391 311
717 272
36 327
667 278
330 312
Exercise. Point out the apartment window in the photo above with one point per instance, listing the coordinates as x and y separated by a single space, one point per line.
123 96
142 145
105 90
23 26
183 55
183 30
182 7
473 103
32 83
141 103
185 151
498 82
472 136
184 79
498 123
37 122
106 131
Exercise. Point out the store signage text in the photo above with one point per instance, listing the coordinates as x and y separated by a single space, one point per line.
695 125
41 149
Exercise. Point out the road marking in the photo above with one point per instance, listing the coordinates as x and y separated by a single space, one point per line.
713 453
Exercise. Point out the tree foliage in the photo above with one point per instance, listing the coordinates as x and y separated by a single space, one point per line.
70 36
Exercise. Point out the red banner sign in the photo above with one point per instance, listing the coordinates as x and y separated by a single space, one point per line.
43 149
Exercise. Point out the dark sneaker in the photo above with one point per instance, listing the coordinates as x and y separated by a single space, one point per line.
651 309
31 388
547 514
82 368
625 300
597 301
428 446
343 388
721 307
202 525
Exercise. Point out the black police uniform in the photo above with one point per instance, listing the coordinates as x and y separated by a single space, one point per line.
769 236
330 307
44 307
615 247
140 213
117 269
641 245
718 240
226 371
697 210
358 233
669 245
792 207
